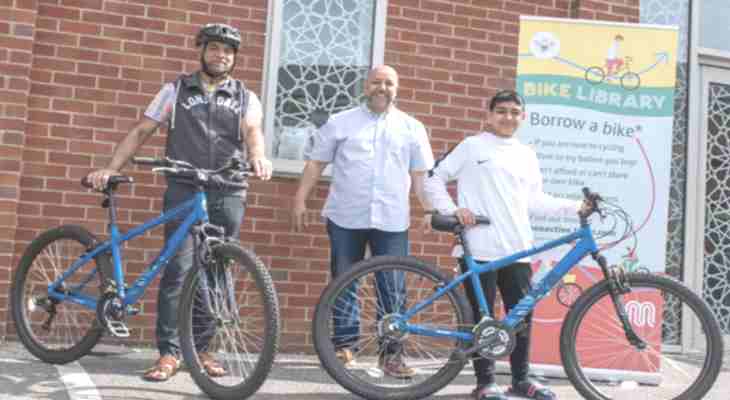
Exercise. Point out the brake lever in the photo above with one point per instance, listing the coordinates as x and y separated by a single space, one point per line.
166 169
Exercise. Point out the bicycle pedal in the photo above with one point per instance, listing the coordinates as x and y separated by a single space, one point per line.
118 329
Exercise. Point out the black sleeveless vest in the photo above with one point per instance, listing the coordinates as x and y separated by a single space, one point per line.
205 131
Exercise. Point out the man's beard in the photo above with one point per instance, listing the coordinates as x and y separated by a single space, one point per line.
212 74
389 101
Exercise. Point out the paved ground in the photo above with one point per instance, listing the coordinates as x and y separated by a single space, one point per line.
114 373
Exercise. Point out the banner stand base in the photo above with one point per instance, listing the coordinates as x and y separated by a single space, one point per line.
620 377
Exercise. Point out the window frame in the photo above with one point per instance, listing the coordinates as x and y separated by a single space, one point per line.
284 167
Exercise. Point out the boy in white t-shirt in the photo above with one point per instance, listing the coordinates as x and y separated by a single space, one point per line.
498 177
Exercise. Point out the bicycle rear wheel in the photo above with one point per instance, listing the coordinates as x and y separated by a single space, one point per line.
675 364
56 331
365 303
229 315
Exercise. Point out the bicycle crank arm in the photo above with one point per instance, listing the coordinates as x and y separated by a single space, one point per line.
464 354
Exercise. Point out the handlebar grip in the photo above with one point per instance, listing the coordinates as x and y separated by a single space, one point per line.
482 220
85 183
147 161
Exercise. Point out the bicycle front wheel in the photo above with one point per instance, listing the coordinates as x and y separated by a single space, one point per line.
229 323
55 331
359 344
683 348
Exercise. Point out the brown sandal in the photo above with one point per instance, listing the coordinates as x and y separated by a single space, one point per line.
165 367
212 367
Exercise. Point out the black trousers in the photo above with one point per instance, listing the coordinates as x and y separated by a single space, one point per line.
514 282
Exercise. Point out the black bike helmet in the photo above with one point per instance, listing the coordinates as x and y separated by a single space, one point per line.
219 33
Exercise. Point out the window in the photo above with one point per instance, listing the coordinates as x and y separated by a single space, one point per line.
714 29
318 56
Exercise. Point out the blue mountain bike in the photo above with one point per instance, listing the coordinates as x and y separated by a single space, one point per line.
69 288
631 335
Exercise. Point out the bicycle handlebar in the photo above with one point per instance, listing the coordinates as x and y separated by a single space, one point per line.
239 171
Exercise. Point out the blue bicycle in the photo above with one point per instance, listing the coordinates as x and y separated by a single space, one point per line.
631 335
69 288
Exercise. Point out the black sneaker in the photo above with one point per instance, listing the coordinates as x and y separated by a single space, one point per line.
532 389
488 392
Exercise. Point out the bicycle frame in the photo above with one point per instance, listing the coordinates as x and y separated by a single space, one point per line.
196 211
585 245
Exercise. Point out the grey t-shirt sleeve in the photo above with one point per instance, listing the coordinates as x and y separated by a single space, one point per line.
161 107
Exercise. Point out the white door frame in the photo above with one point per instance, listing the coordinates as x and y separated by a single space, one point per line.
706 65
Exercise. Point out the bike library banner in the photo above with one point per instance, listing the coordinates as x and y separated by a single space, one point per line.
600 99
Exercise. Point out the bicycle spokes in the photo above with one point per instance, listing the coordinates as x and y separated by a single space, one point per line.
654 358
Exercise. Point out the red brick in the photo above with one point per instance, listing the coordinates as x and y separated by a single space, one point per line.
146 49
162 64
403 23
188 5
72 106
14 70
69 159
95 95
439 29
98 69
70 132
94 4
123 33
124 8
48 24
19 16
62 212
419 38
102 18
100 44
145 23
50 117
473 12
83 28
75 80
440 6
77 54
58 12
93 121
116 111
452 20
165 39
118 84
121 59
454 65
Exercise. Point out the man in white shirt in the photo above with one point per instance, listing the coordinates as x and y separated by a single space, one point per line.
377 152
498 177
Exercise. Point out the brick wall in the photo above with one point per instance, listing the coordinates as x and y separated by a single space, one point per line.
17 21
94 66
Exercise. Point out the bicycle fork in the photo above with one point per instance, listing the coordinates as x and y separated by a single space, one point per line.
616 287
213 278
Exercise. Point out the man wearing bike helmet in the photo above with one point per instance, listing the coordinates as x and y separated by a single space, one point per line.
210 118
499 178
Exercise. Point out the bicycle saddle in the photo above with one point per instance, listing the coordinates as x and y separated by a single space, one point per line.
449 223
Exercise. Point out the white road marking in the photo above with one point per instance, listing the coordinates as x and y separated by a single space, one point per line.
12 361
78 383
